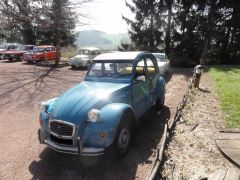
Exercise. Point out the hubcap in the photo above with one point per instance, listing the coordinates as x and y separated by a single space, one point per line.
124 138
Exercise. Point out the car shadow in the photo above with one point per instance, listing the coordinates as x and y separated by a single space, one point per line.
28 63
78 69
53 165
9 61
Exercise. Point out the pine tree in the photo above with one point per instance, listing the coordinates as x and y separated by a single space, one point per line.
146 30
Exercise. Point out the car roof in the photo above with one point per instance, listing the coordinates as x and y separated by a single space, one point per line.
44 46
89 48
119 56
26 45
158 53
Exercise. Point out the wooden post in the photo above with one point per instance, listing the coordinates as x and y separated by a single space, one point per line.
197 80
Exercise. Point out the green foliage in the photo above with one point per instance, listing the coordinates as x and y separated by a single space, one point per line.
146 30
192 30
226 80
41 22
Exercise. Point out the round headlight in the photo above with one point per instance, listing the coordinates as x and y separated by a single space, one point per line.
93 115
44 107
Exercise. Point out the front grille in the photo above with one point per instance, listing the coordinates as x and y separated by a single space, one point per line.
68 142
61 129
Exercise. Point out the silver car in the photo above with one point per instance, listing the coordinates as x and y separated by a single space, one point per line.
163 62
84 57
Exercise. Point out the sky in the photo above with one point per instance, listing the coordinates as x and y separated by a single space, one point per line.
106 15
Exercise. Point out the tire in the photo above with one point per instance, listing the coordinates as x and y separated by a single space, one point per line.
88 64
123 138
73 67
160 102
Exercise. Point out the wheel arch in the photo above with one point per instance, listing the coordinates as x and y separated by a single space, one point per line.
110 118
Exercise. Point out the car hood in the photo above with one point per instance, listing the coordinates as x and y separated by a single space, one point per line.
2 49
74 104
14 52
80 57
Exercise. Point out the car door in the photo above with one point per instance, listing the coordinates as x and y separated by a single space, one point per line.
52 53
152 76
140 88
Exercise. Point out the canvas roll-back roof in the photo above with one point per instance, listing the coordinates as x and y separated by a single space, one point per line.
118 56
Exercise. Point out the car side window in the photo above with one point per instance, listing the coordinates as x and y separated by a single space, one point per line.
150 67
140 69
47 49
93 53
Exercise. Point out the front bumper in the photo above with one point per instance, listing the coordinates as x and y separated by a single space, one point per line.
79 149
78 63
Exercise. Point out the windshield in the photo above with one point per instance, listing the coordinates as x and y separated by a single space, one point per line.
38 49
160 57
21 48
3 46
111 69
83 52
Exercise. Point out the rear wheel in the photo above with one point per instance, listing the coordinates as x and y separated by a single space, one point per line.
160 102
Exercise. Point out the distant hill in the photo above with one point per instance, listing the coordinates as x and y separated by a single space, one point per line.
100 39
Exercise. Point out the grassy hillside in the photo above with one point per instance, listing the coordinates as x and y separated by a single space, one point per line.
227 82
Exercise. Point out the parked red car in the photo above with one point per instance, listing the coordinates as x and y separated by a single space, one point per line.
40 53
7 47
17 53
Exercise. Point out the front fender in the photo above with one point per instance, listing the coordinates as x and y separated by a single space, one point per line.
102 133
161 87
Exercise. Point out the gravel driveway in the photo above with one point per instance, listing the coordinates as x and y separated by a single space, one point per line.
23 87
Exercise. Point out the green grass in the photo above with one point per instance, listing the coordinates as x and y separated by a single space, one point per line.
227 82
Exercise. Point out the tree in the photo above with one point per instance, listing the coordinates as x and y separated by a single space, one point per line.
146 30
18 16
43 21
169 4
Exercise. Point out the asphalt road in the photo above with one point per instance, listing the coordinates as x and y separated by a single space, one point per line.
24 86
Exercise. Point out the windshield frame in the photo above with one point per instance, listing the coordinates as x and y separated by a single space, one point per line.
83 50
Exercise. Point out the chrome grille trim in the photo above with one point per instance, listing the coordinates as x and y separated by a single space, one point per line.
64 123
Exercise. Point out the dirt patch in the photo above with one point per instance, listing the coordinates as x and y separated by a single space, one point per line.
192 152
24 86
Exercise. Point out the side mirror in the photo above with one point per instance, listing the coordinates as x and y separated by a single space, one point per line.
141 78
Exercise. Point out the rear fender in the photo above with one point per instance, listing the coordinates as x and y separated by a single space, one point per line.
161 87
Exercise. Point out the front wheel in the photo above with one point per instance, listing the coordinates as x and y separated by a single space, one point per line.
88 64
123 138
